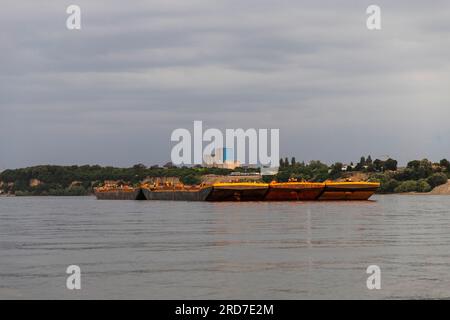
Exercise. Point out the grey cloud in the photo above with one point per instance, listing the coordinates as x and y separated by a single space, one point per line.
113 92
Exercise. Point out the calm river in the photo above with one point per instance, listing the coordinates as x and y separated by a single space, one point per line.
189 250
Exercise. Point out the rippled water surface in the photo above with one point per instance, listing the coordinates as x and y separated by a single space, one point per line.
200 250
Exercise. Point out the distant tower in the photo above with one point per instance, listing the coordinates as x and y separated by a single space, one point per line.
227 154
221 158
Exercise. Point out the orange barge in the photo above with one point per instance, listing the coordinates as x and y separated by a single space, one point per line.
349 190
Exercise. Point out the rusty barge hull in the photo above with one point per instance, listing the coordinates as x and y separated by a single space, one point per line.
348 191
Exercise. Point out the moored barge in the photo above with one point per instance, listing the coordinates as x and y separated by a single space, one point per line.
349 190
294 191
119 193
238 191
243 191
177 194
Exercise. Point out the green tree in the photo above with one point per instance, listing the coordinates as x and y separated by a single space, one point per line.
361 164
445 164
139 166
414 164
390 164
336 170
378 165
416 169
293 161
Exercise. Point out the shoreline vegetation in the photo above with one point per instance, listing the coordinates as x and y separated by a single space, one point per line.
419 176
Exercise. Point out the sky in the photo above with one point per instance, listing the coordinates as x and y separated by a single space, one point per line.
113 92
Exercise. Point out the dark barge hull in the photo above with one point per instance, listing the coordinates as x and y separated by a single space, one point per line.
238 193
294 191
120 195
177 195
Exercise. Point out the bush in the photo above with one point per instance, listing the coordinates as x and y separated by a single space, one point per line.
283 176
76 191
22 193
268 179
389 186
423 186
406 186
437 179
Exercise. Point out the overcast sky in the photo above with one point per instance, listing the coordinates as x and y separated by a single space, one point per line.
112 92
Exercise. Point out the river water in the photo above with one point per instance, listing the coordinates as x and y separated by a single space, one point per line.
201 250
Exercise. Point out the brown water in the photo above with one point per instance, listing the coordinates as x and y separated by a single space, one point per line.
178 250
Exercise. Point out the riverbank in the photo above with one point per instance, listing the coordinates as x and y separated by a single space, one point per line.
443 189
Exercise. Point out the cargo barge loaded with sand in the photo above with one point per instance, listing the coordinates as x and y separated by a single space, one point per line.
119 192
243 191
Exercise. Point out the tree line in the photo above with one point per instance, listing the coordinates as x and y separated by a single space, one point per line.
80 180
418 175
